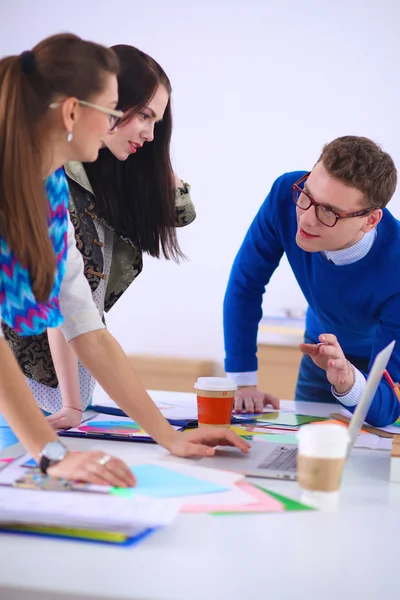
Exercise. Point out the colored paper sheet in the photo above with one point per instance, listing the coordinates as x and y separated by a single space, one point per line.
255 431
7 437
104 426
262 502
287 419
288 503
161 482
100 536
268 428
113 427
230 500
244 431
80 535
277 438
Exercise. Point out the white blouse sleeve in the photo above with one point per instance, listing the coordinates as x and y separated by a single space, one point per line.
76 302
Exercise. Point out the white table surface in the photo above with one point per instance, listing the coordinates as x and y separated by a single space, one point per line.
311 555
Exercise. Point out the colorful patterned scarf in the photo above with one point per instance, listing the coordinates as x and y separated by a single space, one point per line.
19 307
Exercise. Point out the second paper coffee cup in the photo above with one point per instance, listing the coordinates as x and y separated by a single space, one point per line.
321 456
215 397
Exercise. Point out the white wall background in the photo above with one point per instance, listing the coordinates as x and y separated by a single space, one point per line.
259 87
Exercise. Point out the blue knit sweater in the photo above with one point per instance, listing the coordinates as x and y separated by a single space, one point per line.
359 302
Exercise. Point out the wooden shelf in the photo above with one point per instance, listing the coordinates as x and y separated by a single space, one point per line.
167 373
277 373
278 368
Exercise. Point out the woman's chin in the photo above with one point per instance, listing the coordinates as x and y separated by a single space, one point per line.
119 154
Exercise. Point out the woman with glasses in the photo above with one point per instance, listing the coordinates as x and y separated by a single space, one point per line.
57 103
343 246
127 202
43 125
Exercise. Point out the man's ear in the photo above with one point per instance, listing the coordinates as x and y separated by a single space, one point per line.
372 220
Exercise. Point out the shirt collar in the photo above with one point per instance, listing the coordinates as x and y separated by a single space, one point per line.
76 171
346 256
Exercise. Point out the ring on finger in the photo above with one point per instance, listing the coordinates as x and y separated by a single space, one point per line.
104 460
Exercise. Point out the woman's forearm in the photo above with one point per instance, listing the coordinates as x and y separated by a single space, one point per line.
66 366
104 358
18 405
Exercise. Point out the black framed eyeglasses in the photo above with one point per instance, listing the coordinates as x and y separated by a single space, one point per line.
325 215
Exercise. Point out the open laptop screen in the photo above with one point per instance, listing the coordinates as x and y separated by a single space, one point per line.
373 381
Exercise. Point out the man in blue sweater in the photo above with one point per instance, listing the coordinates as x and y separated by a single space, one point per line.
343 246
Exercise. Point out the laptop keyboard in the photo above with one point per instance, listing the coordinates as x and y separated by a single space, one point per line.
282 459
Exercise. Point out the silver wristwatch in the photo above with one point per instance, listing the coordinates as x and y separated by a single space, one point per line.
52 453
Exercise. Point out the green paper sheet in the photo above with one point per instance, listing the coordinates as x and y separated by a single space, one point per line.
281 418
84 534
278 438
288 504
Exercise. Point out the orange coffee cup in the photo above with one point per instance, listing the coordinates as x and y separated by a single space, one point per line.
215 396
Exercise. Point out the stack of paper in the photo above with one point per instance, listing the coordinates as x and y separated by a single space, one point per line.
162 489
98 512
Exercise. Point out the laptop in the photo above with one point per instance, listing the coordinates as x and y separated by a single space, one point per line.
277 461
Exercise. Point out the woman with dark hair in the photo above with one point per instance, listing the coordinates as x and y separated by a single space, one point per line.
127 202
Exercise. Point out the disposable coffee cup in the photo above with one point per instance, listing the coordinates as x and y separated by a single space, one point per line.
321 457
215 397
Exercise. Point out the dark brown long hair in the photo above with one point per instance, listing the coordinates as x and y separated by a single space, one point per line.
137 196
61 65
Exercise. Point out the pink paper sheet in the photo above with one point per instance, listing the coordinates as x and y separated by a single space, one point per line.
265 503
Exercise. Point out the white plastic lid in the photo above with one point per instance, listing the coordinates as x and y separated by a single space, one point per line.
323 440
215 384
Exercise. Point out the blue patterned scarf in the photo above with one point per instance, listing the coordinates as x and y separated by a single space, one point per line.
19 307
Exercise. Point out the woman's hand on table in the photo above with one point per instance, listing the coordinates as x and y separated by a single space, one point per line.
93 467
65 418
202 441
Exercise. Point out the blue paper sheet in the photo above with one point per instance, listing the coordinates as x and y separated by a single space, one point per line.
7 438
161 482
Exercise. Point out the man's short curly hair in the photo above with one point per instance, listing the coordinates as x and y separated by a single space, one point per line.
360 163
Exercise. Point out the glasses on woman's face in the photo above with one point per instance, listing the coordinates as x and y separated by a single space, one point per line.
325 215
114 116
